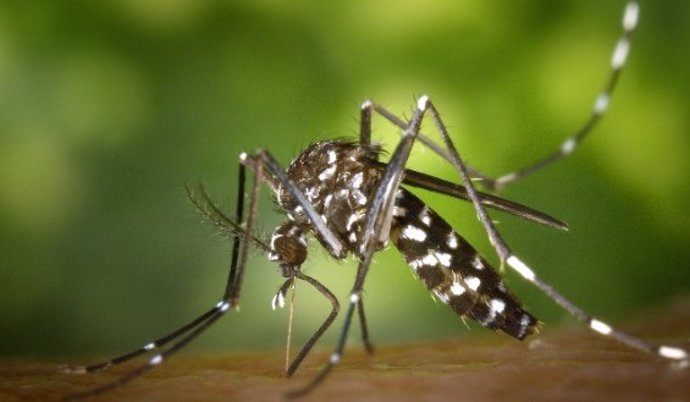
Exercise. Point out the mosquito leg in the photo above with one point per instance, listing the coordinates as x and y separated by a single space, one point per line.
156 359
336 356
521 268
394 172
151 346
234 285
335 308
365 330
668 352
618 59
161 342
380 214
494 237
601 103
421 137
203 322
374 234
365 122
369 106
506 255
233 276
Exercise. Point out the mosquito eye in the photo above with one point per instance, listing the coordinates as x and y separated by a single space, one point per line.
291 251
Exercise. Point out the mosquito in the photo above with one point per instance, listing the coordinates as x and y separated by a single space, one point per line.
341 194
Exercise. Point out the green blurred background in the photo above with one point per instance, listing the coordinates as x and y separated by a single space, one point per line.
108 108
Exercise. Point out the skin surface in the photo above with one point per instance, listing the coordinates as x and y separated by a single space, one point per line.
567 364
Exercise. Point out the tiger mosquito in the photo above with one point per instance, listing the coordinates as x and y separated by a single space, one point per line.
353 204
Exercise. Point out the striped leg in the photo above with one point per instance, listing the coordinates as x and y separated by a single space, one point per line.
375 233
667 352
601 103
149 347
157 359
279 302
568 146
507 256
179 338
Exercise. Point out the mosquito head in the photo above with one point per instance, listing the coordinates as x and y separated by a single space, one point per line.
288 248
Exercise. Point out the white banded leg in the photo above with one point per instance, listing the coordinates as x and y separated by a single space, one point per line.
506 255
601 103
184 335
375 233
335 357
149 347
667 352
156 359
568 146
502 249
279 301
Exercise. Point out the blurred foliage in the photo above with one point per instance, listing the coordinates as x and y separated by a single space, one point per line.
108 108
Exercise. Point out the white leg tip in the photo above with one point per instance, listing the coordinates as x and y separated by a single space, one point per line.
72 369
422 102
521 268
632 12
600 327
673 353
367 104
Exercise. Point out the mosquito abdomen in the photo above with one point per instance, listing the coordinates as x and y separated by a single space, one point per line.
453 270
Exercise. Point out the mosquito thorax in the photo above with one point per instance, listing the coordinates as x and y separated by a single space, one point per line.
338 179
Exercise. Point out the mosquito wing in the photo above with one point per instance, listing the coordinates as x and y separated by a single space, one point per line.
431 183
